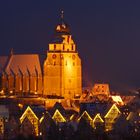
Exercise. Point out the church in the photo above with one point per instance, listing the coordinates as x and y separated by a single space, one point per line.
58 75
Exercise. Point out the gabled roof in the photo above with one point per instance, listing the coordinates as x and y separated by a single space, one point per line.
3 62
38 111
23 63
133 116
98 117
95 108
58 117
85 114
57 106
113 107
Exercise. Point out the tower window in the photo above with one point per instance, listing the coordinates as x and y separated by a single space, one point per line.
63 47
72 47
54 63
54 47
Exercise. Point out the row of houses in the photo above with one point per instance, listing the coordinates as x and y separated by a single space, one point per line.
36 120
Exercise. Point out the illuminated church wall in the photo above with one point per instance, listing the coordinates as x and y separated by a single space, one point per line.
61 74
62 67
18 83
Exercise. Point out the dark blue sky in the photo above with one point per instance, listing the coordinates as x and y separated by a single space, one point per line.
107 34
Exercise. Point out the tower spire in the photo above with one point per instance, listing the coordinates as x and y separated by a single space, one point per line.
62 14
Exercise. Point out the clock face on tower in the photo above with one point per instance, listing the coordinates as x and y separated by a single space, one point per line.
54 56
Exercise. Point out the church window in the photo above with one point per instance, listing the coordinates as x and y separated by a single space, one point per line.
54 63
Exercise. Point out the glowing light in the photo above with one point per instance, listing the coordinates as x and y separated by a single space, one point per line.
2 91
32 118
86 116
111 116
41 119
25 114
98 118
58 116
58 28
20 106
40 133
11 91
114 107
71 117
2 126
59 101
117 99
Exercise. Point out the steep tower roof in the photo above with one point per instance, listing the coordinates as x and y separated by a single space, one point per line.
62 27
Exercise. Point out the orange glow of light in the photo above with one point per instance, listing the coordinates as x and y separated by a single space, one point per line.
117 99
2 92
20 106
58 28
11 91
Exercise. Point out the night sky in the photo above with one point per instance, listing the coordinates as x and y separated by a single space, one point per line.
107 34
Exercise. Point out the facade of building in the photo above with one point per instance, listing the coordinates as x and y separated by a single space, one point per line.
101 89
60 76
62 67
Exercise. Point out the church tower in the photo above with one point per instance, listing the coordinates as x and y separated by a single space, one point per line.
62 67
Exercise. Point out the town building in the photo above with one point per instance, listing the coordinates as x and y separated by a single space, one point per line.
57 76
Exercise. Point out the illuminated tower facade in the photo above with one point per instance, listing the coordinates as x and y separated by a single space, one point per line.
62 67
